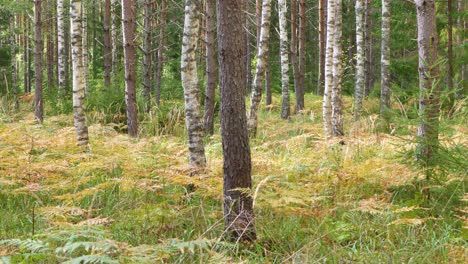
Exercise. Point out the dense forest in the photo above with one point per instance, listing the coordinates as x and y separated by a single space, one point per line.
233 131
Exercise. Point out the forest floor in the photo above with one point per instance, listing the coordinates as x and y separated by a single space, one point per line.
352 199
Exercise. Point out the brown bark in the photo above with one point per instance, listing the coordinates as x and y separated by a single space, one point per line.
238 204
210 67
450 48
26 60
161 49
369 72
322 36
107 44
49 28
147 54
38 100
294 62
301 52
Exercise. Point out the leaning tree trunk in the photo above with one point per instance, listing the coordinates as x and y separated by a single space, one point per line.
14 81
360 60
385 59
147 55
336 103
38 100
78 73
322 38
107 44
210 67
429 91
284 52
326 107
262 59
189 78
161 49
301 52
128 26
85 48
238 204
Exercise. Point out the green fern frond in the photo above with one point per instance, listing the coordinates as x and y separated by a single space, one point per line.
34 246
92 259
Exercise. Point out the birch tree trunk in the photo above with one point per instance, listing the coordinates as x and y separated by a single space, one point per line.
284 54
301 52
322 38
128 26
429 91
85 47
14 81
360 60
238 204
147 54
161 49
38 100
385 59
262 59
337 115
326 108
107 44
189 78
210 67
114 33
78 73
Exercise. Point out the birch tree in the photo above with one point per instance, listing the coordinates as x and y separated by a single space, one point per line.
360 57
284 54
114 34
238 204
189 77
210 67
326 107
38 45
262 59
78 72
385 59
128 26
429 91
337 115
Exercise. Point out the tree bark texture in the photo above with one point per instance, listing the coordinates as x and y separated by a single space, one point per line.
326 107
301 52
385 59
85 47
336 102
211 68
14 77
322 41
284 54
38 100
360 60
161 49
147 54
107 44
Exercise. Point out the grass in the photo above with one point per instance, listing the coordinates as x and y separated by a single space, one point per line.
318 201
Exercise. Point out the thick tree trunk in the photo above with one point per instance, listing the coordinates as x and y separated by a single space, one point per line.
147 55
189 78
294 63
301 52
14 81
107 44
238 204
210 67
262 60
360 60
61 47
78 73
128 26
429 91
326 107
38 100
284 54
385 59
85 48
161 49
336 103
322 38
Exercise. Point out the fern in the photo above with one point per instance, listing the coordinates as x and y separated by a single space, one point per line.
107 247
92 259
33 246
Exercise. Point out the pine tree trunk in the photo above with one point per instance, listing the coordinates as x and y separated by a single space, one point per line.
49 45
78 73
301 52
189 78
284 54
326 108
262 60
248 44
128 26
461 25
85 47
336 103
38 100
368 70
268 95
294 63
211 68
14 81
26 60
385 59
107 44
429 91
450 49
360 60
238 204
322 40
161 49
147 55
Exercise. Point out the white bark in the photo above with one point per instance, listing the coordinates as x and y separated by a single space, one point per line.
61 60
284 53
114 34
337 116
326 107
189 76
78 73
385 59
360 57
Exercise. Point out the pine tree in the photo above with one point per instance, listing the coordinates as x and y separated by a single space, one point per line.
38 100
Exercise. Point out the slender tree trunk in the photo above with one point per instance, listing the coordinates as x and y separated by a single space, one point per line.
322 38
450 49
360 60
336 103
85 47
49 44
107 44
238 204
95 15
61 47
461 25
326 108
248 44
262 59
161 50
429 91
14 81
210 67
301 52
67 61
284 54
258 18
147 55
38 100
30 59
78 73
189 78
294 63
368 70
385 59
115 36
128 26
26 54
268 95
